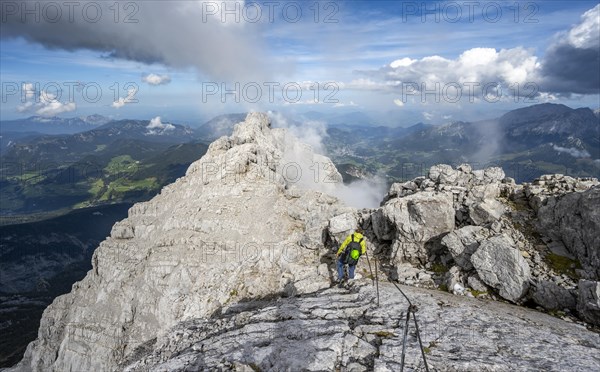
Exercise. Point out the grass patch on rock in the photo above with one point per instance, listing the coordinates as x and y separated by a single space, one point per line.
439 268
384 334
563 265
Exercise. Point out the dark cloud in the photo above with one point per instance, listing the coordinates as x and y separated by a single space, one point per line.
179 34
568 69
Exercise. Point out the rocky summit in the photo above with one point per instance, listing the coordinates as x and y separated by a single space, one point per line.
230 268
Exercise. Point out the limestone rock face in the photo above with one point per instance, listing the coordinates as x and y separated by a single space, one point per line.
489 210
551 296
340 330
462 243
574 219
237 226
501 266
342 225
412 221
542 231
588 304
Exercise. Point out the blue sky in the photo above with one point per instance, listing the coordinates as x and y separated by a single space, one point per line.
377 56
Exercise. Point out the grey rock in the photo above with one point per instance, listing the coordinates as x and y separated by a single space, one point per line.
413 221
454 277
588 302
342 225
462 243
553 297
574 219
502 267
406 271
494 174
338 330
474 282
488 211
442 173
465 168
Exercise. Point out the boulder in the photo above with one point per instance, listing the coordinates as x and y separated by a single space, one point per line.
476 283
588 302
342 225
488 211
493 174
551 296
443 174
413 221
501 266
462 243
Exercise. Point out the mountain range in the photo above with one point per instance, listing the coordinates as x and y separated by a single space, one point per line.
118 161
54 125
527 142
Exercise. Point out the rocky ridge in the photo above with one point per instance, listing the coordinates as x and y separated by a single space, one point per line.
477 233
171 282
234 227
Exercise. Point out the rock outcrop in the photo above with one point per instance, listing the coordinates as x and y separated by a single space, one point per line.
588 303
236 226
574 220
339 330
412 221
502 267
518 242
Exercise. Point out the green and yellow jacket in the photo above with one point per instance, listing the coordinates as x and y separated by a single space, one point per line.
357 237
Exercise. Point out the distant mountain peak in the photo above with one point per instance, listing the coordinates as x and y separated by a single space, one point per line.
534 112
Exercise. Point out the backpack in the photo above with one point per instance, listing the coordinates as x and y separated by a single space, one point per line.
352 252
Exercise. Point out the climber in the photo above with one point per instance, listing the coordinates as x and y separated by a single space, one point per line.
348 254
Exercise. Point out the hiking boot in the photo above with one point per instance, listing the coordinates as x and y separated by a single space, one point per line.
341 283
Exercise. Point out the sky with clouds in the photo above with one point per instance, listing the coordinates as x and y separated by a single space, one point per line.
398 61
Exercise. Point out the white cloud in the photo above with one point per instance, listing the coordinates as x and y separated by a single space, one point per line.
574 152
349 104
399 102
29 90
570 65
428 116
311 132
404 62
477 65
156 126
155 79
122 101
317 172
586 34
44 104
